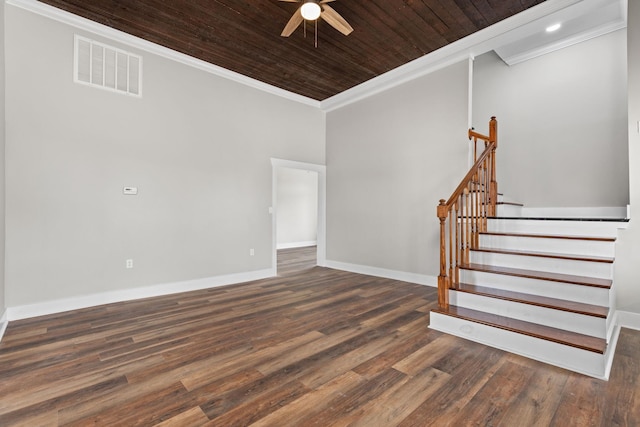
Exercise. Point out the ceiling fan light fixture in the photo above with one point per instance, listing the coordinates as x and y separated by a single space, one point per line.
310 10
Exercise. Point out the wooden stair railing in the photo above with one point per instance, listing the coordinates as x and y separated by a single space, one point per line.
465 214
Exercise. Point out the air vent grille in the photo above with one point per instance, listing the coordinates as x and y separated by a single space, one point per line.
107 67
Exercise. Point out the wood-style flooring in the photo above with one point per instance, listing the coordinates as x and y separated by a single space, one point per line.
312 347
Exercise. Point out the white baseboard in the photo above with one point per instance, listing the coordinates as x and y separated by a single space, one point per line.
420 279
296 244
4 322
570 212
628 319
75 303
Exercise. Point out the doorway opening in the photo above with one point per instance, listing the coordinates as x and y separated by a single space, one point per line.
298 222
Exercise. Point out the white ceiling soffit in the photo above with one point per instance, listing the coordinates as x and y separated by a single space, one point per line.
507 31
583 21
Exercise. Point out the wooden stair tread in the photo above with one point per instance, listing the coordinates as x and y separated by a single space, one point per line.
590 258
543 275
585 342
539 301
550 236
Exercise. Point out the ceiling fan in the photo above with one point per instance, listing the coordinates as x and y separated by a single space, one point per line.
311 10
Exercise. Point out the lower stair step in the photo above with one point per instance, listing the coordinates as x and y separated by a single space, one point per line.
542 275
608 260
549 236
572 339
540 301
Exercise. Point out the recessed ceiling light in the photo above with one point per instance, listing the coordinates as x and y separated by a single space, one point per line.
554 27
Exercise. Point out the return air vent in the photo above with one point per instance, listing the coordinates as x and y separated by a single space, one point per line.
107 67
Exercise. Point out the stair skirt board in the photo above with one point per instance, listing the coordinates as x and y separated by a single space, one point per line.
567 357
566 291
553 265
549 244
559 319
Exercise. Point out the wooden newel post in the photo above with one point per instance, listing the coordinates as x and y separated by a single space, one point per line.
443 280
493 189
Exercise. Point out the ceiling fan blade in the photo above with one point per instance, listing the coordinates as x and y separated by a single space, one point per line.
291 1
334 19
322 1
293 23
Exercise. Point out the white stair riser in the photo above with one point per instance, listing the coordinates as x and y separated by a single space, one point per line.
553 265
579 323
508 210
614 212
577 360
559 290
540 244
569 228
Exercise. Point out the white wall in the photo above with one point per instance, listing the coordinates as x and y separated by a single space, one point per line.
562 128
297 207
390 158
197 146
627 278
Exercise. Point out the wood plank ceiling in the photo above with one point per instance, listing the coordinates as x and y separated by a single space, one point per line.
244 35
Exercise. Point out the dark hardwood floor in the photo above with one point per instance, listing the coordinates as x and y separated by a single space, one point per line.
312 347
291 261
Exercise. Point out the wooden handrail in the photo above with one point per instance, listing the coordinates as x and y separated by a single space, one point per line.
464 215
474 134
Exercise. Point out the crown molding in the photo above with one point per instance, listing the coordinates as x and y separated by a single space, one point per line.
153 48
471 46
482 41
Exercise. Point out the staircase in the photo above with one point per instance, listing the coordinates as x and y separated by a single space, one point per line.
537 287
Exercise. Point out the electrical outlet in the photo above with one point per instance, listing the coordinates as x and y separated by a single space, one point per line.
129 263
252 252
